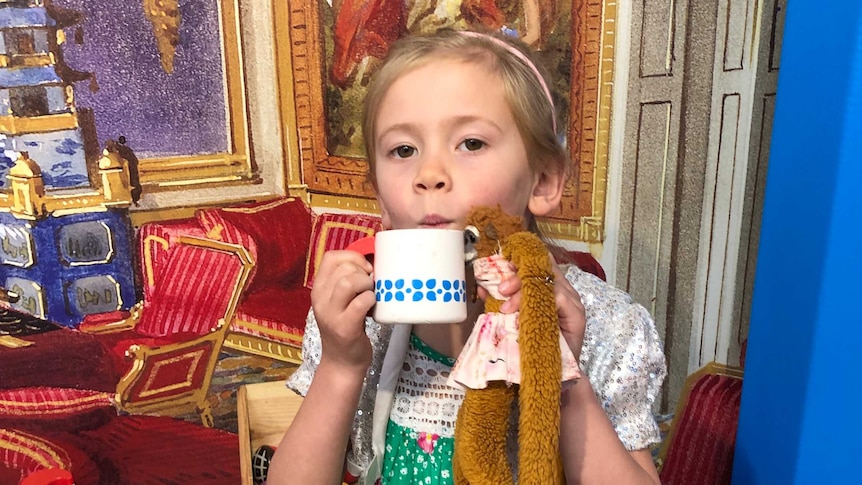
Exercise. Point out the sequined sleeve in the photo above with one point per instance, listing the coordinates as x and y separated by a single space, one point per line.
300 380
623 357
360 441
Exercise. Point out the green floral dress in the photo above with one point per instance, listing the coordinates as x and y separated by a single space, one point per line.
420 434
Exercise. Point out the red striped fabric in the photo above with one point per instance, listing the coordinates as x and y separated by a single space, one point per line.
155 239
49 476
192 294
44 401
284 332
275 233
702 448
216 227
29 453
336 231
163 450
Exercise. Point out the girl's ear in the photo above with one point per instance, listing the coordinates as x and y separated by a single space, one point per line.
547 193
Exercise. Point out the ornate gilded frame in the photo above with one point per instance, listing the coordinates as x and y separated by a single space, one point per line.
233 165
328 179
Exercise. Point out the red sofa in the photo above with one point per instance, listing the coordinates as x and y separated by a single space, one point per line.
287 240
79 432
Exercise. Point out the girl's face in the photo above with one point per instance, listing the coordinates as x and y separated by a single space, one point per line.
446 141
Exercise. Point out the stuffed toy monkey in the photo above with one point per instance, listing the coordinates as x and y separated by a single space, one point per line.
520 354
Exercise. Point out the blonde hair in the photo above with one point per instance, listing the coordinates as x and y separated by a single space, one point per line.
533 111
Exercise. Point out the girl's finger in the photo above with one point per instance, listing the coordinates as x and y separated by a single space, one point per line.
347 282
332 259
510 286
511 305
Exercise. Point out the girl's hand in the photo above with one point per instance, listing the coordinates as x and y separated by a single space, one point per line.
342 295
570 308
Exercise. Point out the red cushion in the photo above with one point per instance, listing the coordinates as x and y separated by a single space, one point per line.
275 232
29 452
95 321
275 313
155 239
72 409
156 449
148 449
9 474
582 259
701 450
336 231
192 294
45 402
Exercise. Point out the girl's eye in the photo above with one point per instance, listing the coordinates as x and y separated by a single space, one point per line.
472 144
404 151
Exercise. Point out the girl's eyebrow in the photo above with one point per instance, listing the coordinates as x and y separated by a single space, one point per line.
466 119
412 128
409 128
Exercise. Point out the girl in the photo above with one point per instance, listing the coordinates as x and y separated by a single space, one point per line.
455 120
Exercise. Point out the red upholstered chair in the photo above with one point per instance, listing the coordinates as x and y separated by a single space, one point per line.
154 246
699 447
166 352
286 240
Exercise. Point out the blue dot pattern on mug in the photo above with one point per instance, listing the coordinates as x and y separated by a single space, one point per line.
421 290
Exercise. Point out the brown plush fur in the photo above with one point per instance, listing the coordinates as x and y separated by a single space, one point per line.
483 420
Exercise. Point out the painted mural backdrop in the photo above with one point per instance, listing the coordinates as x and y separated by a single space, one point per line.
357 34
337 45
158 77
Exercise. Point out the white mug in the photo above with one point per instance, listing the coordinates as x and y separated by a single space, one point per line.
419 275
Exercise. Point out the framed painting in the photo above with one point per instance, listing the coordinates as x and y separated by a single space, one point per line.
335 46
166 78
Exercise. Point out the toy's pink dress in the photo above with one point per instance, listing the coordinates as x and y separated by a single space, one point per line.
491 352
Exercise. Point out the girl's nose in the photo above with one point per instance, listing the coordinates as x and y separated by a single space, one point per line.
432 175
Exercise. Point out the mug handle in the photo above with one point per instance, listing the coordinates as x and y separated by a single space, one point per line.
363 246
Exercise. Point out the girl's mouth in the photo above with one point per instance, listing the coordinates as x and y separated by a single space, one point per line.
434 221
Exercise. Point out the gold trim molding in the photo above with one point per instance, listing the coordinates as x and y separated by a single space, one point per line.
232 166
15 125
263 347
28 199
344 202
26 60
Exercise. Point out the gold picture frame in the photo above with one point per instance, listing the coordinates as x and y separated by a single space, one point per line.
232 165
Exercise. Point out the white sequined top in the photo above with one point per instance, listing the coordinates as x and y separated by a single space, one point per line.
622 355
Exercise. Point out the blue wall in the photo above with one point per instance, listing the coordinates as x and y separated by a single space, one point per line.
801 417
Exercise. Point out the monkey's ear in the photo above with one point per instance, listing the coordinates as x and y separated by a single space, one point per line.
491 232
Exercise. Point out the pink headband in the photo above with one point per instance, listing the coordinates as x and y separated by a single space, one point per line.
520 55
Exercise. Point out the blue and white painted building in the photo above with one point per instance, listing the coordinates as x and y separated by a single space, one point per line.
66 244
37 112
